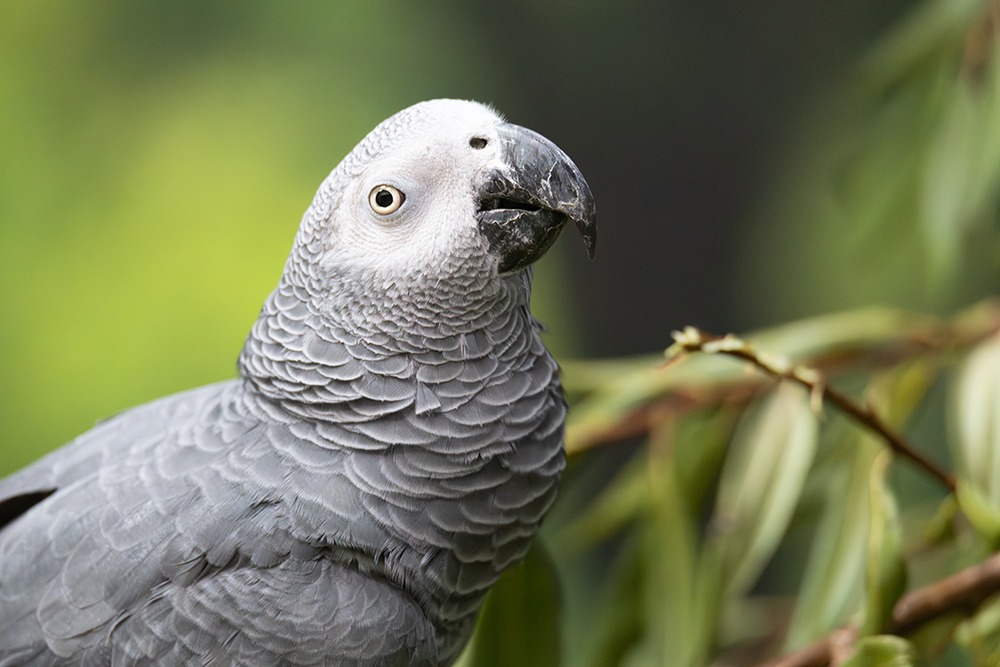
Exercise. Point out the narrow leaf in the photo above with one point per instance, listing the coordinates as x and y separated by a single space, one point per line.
761 482
674 634
982 514
886 570
619 615
831 587
519 621
981 634
977 411
617 506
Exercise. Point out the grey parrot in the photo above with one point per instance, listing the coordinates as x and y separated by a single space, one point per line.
391 444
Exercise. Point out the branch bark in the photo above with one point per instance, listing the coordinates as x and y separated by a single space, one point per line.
963 593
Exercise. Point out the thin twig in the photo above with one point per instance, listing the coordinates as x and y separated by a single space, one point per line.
611 392
962 593
695 340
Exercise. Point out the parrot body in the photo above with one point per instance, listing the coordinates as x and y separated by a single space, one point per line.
391 444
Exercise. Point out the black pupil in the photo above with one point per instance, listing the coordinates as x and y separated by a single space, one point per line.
384 198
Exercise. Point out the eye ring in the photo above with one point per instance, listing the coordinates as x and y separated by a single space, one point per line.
385 199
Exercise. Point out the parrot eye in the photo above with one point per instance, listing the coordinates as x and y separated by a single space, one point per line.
478 142
385 199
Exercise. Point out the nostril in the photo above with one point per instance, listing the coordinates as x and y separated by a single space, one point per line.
478 142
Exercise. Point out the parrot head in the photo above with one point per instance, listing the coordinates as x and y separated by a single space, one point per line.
441 190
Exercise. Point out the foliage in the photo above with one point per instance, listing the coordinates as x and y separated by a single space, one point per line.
816 496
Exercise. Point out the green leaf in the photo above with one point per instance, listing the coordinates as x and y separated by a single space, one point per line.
519 622
976 411
651 605
886 570
940 528
944 193
981 634
618 505
675 632
982 514
702 442
762 479
699 445
961 183
831 587
882 651
620 614
933 639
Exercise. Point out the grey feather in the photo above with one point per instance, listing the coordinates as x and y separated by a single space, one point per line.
391 445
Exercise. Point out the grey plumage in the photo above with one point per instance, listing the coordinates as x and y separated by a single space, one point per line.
390 446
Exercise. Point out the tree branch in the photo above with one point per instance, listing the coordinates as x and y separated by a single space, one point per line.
620 398
962 593
695 340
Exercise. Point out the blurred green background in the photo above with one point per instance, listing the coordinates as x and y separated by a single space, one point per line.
753 163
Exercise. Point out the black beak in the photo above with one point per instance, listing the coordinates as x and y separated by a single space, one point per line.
524 203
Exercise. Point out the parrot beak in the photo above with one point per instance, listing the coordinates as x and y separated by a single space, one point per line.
524 203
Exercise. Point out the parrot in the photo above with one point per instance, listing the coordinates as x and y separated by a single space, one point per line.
390 445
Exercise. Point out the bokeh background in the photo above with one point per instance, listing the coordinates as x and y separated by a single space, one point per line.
753 163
